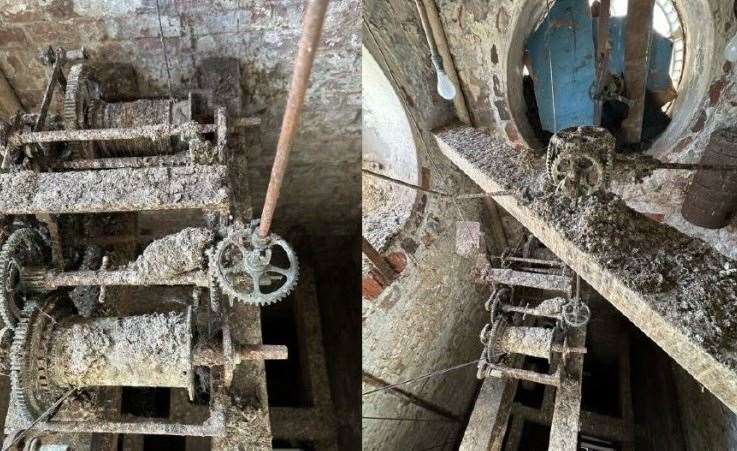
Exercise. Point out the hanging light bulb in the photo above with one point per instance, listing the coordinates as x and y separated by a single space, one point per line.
730 51
446 88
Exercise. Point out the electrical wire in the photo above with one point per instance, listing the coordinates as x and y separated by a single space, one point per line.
419 378
433 420
46 414
166 53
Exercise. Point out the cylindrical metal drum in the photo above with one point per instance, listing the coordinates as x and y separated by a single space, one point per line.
136 114
532 341
711 198
152 350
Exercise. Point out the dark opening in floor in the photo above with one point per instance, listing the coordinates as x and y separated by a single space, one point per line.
535 437
285 379
600 388
146 402
291 445
164 442
528 393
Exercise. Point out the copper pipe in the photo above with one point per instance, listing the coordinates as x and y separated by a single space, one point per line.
311 29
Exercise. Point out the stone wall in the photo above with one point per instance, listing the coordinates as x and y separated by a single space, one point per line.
324 167
430 316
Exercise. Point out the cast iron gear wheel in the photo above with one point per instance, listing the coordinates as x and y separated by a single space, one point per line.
242 271
23 248
579 159
19 353
82 90
6 341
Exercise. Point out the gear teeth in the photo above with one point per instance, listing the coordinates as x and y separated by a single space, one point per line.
251 298
18 355
75 103
32 241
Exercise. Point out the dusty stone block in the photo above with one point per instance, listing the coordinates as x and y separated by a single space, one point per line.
52 33
15 12
469 239
232 21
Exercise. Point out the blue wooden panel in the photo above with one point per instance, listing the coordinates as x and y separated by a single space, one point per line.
563 65
661 52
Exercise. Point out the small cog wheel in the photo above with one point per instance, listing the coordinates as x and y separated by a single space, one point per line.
19 354
23 248
579 159
576 313
243 268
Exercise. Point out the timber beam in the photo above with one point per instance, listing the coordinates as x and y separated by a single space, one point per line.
686 311
115 190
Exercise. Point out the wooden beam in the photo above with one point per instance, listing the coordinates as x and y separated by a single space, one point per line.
637 38
567 408
494 165
527 279
488 422
382 266
115 190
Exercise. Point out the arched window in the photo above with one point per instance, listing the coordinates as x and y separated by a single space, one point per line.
389 150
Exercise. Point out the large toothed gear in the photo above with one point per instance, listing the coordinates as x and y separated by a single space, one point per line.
23 248
579 160
19 355
242 267
81 91
6 341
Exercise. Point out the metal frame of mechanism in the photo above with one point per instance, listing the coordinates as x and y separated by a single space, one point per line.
105 130
553 329
136 138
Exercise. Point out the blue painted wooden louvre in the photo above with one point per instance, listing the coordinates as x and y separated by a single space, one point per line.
563 66
562 55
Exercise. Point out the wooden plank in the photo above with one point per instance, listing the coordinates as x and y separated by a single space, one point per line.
488 421
115 190
528 279
495 166
567 408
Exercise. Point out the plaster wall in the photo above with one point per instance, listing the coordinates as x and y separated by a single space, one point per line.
430 316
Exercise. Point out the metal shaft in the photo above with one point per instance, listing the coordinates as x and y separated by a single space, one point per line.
311 29
111 134
51 280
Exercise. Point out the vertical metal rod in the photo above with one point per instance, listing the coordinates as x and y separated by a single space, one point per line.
311 29
602 54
